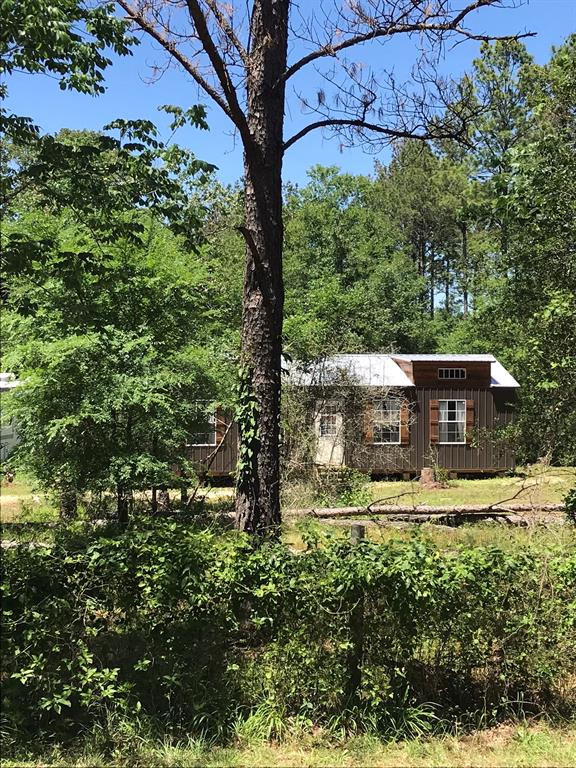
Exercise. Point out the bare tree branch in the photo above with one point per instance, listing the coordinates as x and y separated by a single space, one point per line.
389 30
228 31
373 127
170 47
230 92
228 99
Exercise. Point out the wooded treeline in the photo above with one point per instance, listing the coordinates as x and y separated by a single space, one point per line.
124 267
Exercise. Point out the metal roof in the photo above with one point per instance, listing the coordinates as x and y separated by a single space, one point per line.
364 370
450 358
383 370
501 377
8 381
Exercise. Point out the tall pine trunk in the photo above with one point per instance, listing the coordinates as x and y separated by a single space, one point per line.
465 272
432 279
258 487
447 283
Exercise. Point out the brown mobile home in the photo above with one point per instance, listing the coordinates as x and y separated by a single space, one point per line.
394 414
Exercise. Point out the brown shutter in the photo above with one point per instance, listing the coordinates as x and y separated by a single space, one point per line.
369 423
469 420
434 409
405 423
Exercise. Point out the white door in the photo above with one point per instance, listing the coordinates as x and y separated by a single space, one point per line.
329 433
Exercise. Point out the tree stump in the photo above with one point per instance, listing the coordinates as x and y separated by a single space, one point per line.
427 477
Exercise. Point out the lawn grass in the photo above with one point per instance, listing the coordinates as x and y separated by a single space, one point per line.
535 485
506 746
20 501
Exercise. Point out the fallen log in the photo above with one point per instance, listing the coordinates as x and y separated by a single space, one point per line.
444 521
425 511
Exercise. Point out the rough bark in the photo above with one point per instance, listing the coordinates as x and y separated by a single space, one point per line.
432 278
465 275
258 489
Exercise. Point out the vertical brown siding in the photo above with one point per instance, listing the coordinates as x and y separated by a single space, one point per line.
222 461
486 411
434 427
492 408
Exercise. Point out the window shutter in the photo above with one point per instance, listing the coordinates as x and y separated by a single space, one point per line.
405 423
434 409
369 423
469 420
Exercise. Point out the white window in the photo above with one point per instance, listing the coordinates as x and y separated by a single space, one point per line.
387 415
452 373
204 429
328 420
452 421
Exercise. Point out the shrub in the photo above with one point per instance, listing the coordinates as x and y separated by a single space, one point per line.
198 630
570 505
343 486
327 487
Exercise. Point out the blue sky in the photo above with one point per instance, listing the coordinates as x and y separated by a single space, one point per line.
129 95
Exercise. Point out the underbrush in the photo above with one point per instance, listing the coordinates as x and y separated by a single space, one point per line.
329 487
166 631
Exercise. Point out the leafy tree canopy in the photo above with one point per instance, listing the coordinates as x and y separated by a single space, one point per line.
66 39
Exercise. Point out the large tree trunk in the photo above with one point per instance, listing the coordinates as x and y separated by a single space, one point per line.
258 487
465 274
432 279
447 283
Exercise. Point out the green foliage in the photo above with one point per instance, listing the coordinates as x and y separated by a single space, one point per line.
570 503
349 288
104 409
342 486
523 202
66 39
106 180
202 632
441 475
247 420
106 310
501 79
